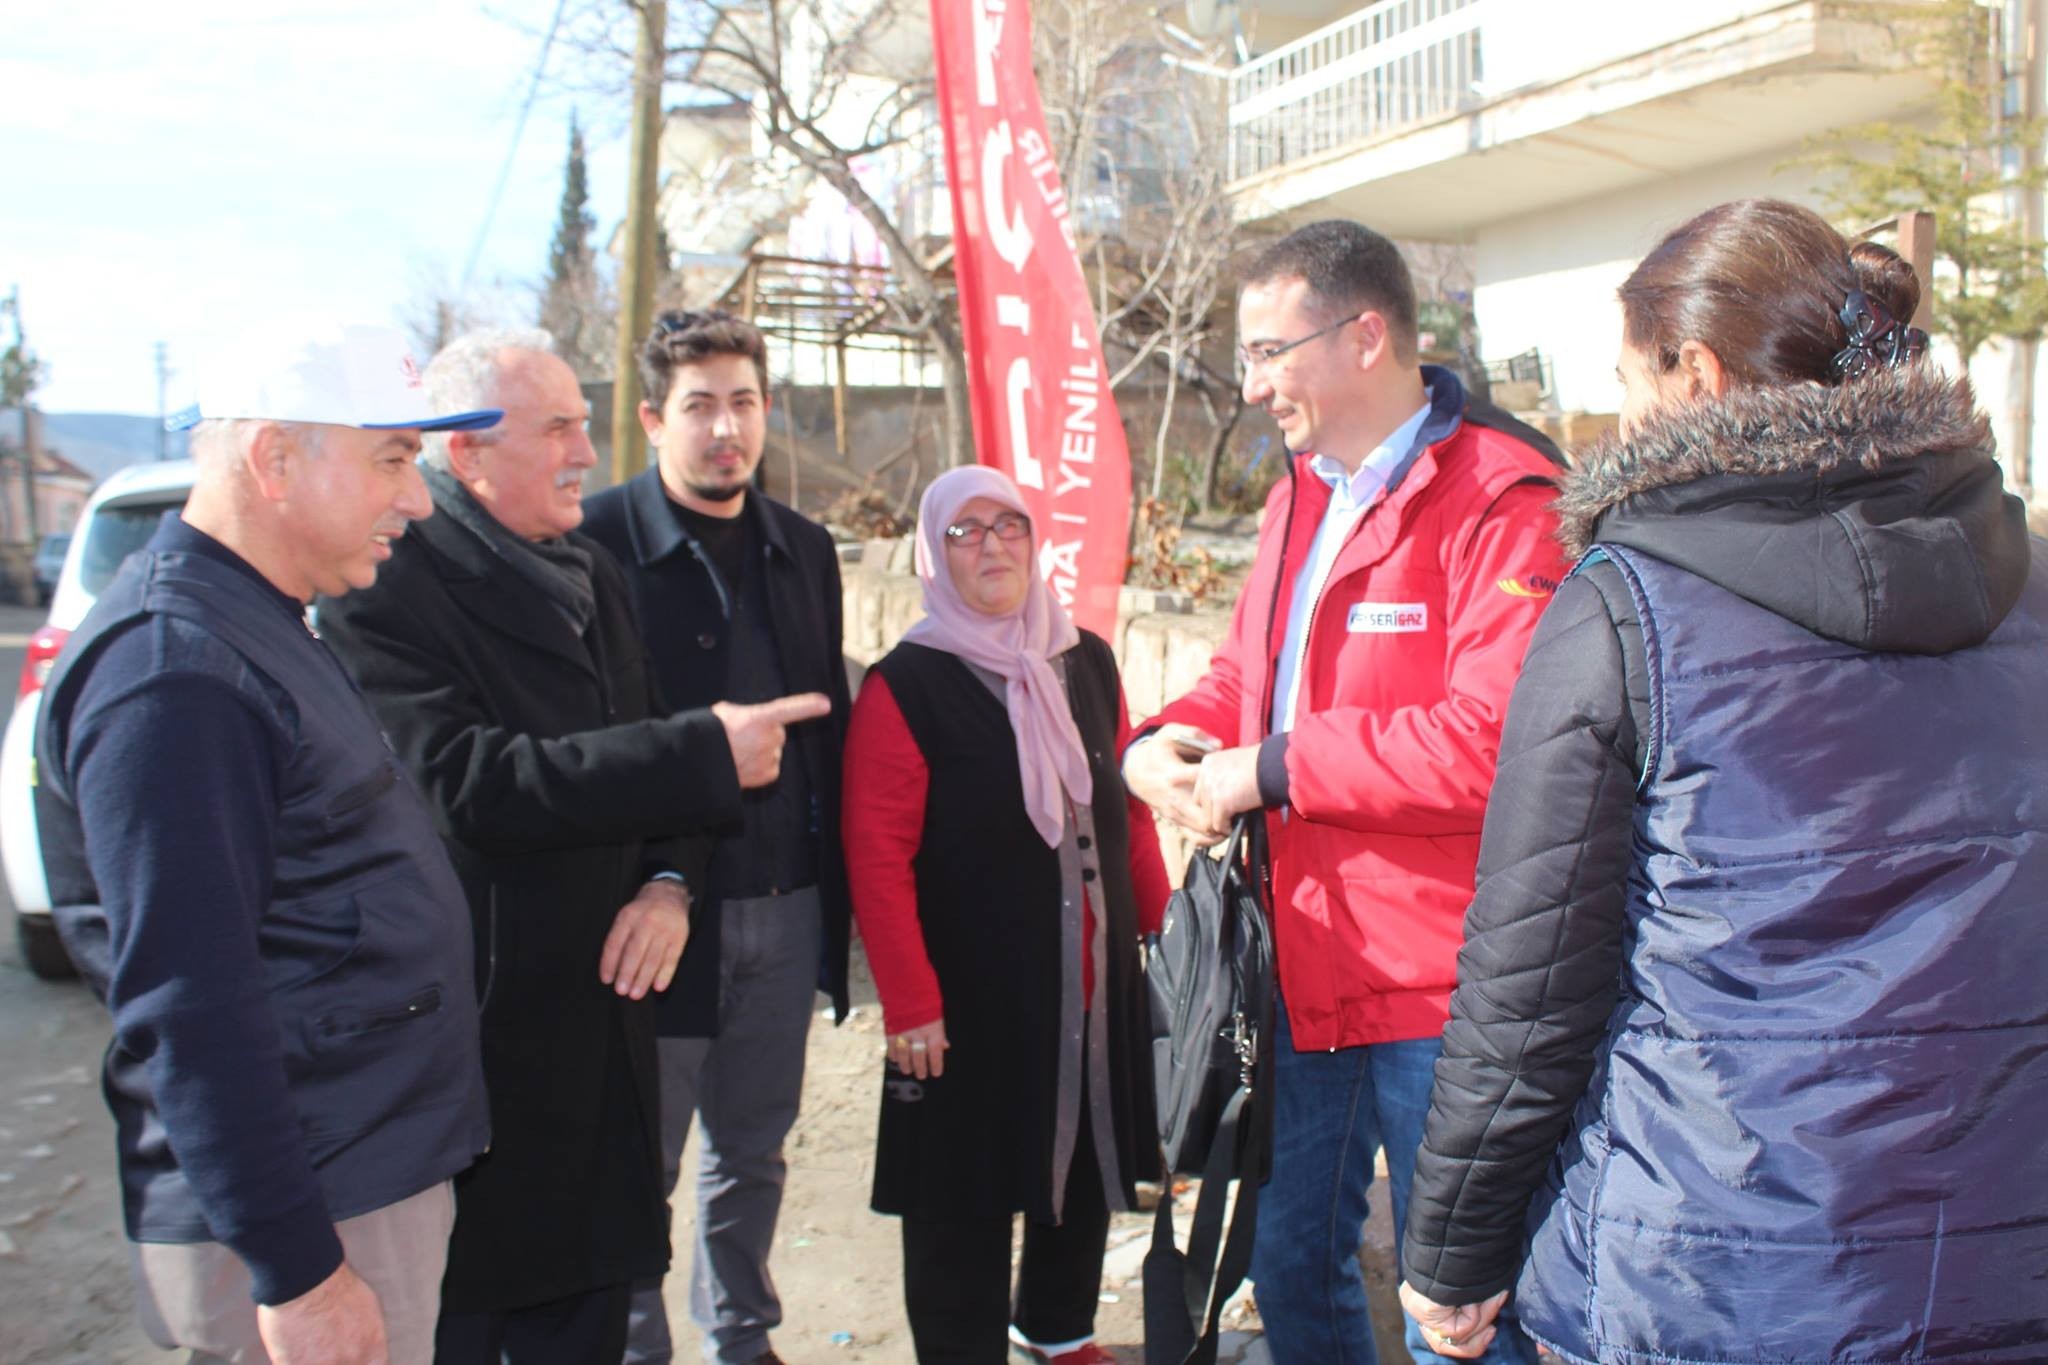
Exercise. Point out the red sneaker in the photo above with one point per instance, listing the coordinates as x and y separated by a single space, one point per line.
1088 1353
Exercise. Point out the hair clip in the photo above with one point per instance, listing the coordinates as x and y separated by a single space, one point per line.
1875 338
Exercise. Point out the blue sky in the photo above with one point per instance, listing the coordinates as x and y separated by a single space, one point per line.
173 171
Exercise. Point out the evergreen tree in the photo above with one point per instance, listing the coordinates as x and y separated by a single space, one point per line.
1960 162
573 304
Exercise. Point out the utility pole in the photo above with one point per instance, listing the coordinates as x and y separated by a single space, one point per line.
637 272
2023 57
31 420
31 452
163 376
1916 244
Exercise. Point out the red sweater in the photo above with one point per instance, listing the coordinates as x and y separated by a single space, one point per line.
883 823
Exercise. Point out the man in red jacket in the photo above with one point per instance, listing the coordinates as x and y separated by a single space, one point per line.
1358 701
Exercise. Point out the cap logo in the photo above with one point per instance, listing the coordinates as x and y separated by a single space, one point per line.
412 370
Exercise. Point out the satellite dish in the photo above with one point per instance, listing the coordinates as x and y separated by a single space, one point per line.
1207 17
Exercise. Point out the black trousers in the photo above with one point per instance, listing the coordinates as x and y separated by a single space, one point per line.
583 1329
956 1275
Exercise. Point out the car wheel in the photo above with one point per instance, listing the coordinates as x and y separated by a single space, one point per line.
42 949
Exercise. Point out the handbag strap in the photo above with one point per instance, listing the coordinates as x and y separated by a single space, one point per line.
1236 1261
1207 1278
1239 863
1240 832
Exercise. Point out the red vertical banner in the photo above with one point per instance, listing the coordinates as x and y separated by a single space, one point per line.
1043 413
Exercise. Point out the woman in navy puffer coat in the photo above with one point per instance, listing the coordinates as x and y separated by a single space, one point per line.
1748 1059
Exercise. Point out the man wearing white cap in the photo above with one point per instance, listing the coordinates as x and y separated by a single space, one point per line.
246 878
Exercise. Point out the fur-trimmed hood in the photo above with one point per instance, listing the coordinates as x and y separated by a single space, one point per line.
1874 513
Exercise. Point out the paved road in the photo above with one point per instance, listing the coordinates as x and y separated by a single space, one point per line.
64 1296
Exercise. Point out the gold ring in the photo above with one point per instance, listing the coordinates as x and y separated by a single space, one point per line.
902 1040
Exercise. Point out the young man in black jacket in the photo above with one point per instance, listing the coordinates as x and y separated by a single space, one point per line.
502 653
740 599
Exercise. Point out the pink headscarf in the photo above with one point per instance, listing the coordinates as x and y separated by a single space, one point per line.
1018 648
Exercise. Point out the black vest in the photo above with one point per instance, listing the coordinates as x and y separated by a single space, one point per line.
979 1141
366 945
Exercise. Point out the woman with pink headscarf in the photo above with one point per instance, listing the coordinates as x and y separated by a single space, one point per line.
1002 878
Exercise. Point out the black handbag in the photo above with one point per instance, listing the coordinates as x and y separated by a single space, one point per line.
1209 976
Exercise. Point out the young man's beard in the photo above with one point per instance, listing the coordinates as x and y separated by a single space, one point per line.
720 492
717 492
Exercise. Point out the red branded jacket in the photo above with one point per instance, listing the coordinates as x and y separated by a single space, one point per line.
1376 797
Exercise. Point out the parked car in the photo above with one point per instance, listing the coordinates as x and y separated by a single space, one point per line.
49 562
118 520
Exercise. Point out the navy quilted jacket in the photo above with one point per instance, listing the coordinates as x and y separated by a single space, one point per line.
1748 1059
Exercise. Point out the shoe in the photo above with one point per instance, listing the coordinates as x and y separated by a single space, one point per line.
1087 1353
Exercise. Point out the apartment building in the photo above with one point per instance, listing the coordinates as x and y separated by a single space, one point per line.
1560 138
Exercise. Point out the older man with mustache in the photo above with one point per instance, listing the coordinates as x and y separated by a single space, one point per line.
502 652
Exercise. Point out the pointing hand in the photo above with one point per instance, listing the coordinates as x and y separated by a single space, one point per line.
757 732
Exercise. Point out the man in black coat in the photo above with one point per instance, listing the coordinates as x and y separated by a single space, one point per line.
740 598
502 654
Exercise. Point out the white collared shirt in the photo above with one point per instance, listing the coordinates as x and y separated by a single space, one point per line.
1350 497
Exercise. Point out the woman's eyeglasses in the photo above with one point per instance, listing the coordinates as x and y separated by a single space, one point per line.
1007 526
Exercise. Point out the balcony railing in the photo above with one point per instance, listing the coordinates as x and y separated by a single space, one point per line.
1391 65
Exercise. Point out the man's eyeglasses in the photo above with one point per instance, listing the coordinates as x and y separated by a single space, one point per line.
1251 357
1007 526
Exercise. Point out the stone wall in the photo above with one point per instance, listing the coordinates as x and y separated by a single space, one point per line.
1162 642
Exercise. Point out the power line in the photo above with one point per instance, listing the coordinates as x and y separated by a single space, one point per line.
163 379
540 66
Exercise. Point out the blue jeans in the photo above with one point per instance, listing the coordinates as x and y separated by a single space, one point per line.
1334 1110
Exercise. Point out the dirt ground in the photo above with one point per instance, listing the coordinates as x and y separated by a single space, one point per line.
64 1295
838 1264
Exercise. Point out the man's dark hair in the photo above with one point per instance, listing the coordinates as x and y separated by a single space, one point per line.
1349 269
684 338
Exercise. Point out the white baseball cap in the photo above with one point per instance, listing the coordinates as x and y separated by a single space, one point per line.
339 374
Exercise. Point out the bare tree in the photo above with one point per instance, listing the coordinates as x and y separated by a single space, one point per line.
1441 270
839 94
1093 58
1192 251
436 311
1137 119
433 314
800 66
